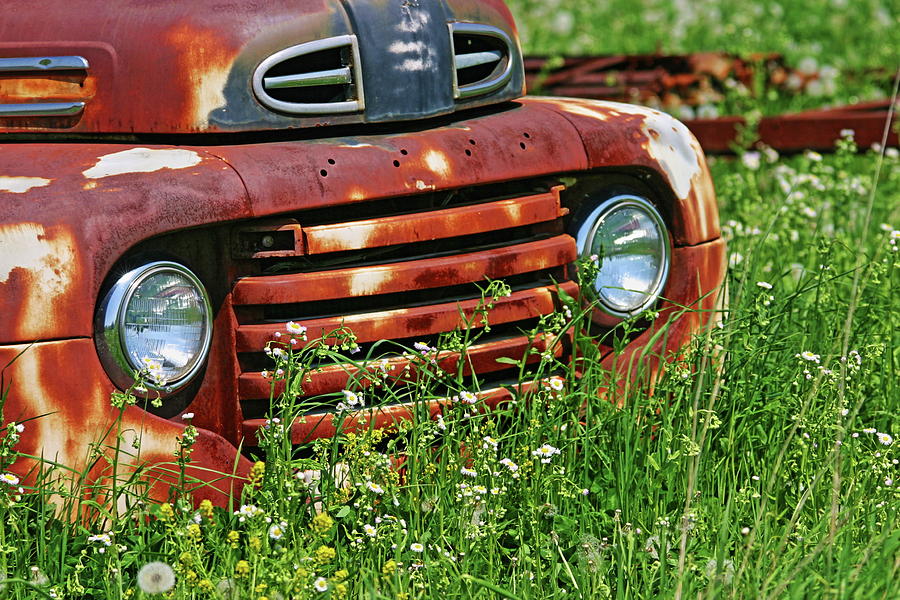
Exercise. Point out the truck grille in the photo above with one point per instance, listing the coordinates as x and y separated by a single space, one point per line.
402 269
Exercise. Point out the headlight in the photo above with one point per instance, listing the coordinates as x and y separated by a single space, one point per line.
157 319
630 239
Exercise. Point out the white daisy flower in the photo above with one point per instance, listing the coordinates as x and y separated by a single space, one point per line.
374 487
296 329
9 479
468 472
417 547
468 398
370 530
885 438
509 464
545 453
321 584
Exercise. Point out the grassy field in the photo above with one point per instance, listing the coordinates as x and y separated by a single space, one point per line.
768 472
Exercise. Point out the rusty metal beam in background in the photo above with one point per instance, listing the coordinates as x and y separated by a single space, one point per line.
673 82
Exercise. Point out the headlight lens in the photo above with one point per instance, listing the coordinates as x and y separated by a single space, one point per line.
157 319
630 239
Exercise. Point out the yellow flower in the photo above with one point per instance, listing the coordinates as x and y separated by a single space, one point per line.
255 543
341 575
321 523
325 554
186 558
241 569
233 538
260 588
193 532
389 568
191 576
340 591
206 508
166 511
205 586
256 472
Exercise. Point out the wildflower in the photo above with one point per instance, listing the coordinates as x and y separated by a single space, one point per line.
102 538
751 160
870 430
440 423
813 156
19 428
847 133
278 352
808 356
38 577
585 492
166 511
233 537
468 472
764 284
885 438
545 453
489 442
187 416
276 531
156 578
321 584
556 384
205 586
374 487
417 547
888 481
193 532
468 398
325 554
370 530
353 398
241 569
422 347
389 568
513 467
745 531
296 329
206 508
9 479
321 523
247 511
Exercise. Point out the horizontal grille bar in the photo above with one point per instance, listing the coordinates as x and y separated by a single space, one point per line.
413 322
403 276
311 427
481 359
433 225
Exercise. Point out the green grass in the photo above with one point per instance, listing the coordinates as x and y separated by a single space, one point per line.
750 472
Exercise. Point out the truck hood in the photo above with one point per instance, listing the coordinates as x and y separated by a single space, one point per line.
213 66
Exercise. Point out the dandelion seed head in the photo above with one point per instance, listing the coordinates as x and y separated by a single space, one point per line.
156 578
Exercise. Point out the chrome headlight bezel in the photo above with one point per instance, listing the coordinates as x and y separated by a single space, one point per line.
587 231
110 329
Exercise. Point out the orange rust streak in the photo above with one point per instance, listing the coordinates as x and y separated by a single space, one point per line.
481 359
406 276
439 224
417 321
47 88
315 426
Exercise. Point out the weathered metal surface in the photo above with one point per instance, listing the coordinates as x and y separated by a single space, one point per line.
412 322
197 79
631 136
60 389
480 358
690 303
99 202
438 224
311 427
680 83
402 276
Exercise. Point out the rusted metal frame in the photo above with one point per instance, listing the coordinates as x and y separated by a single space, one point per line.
433 225
478 359
405 276
815 130
413 322
314 426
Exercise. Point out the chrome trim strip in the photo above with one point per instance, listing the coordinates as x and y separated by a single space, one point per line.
491 84
332 77
323 108
41 109
476 59
43 63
